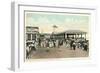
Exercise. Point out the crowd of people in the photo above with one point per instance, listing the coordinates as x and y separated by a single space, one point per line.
76 43
51 43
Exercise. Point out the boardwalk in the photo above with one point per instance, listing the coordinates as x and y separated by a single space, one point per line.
61 52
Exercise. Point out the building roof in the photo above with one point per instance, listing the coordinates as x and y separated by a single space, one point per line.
75 31
72 32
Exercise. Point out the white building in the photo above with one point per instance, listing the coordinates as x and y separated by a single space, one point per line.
32 34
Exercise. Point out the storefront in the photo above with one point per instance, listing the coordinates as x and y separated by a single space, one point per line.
32 34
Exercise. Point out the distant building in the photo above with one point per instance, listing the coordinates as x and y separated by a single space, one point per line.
45 36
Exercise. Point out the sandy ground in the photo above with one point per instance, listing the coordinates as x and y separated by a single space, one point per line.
61 52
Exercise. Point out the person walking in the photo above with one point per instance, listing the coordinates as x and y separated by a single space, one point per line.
74 45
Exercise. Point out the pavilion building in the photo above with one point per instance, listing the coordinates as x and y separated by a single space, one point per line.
74 34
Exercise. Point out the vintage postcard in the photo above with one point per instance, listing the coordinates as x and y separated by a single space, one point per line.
44 33
56 35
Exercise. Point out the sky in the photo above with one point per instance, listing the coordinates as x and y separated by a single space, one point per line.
64 21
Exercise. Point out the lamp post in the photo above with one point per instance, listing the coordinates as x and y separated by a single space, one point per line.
54 27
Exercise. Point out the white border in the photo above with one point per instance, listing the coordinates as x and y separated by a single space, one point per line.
17 61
